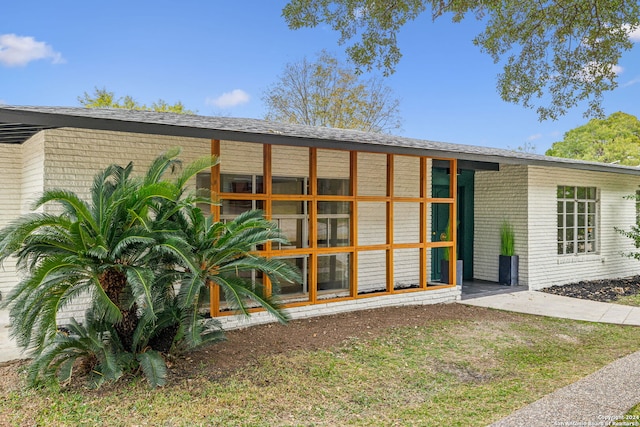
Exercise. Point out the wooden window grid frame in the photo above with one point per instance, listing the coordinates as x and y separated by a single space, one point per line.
313 251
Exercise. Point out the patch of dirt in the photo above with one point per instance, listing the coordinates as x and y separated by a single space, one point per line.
598 290
244 347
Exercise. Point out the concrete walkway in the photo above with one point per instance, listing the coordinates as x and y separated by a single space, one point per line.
600 399
542 304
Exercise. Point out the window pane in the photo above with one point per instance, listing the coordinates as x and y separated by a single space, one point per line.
333 275
570 234
581 192
591 207
569 192
333 172
560 192
288 185
372 174
230 183
291 218
334 208
372 271
232 208
560 207
334 187
333 232
581 220
296 291
591 193
441 179
570 207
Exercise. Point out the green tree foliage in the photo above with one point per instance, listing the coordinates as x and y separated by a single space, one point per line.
144 256
555 53
615 139
102 98
326 93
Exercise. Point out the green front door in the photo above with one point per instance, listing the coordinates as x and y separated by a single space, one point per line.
440 219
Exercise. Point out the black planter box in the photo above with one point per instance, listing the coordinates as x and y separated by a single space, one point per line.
508 270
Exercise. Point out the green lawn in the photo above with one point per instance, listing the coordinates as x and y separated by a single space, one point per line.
633 300
451 373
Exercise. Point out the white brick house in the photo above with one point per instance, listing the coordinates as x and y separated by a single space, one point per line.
366 214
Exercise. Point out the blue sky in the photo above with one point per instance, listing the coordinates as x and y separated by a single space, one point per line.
218 57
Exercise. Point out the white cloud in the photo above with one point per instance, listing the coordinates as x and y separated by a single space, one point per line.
593 69
229 99
631 82
634 35
534 137
18 51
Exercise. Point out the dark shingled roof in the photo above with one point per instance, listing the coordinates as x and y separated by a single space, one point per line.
18 123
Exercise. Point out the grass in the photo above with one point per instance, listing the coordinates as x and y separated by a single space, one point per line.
454 373
633 300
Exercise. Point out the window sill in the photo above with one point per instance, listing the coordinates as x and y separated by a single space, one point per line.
580 258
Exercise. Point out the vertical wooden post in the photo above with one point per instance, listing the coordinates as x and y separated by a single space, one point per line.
214 290
353 223
313 225
453 215
390 173
423 221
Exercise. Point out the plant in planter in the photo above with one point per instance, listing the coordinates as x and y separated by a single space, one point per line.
444 263
508 263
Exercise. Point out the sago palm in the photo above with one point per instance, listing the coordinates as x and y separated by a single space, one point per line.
130 250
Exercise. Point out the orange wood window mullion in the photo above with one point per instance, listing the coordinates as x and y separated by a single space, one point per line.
313 229
266 187
353 174
453 214
214 290
390 172
424 176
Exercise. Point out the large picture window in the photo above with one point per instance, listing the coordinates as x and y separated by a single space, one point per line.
357 223
577 220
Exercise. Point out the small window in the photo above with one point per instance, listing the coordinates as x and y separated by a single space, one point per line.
577 220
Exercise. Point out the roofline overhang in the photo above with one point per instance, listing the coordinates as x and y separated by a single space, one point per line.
57 120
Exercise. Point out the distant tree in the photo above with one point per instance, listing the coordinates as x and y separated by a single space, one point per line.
526 147
102 98
565 51
615 139
326 93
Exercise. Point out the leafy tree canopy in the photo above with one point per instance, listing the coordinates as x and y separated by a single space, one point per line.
102 98
327 93
556 53
615 139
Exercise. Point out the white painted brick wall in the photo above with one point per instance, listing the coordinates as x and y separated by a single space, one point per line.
74 156
402 299
498 196
526 196
547 268
10 204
